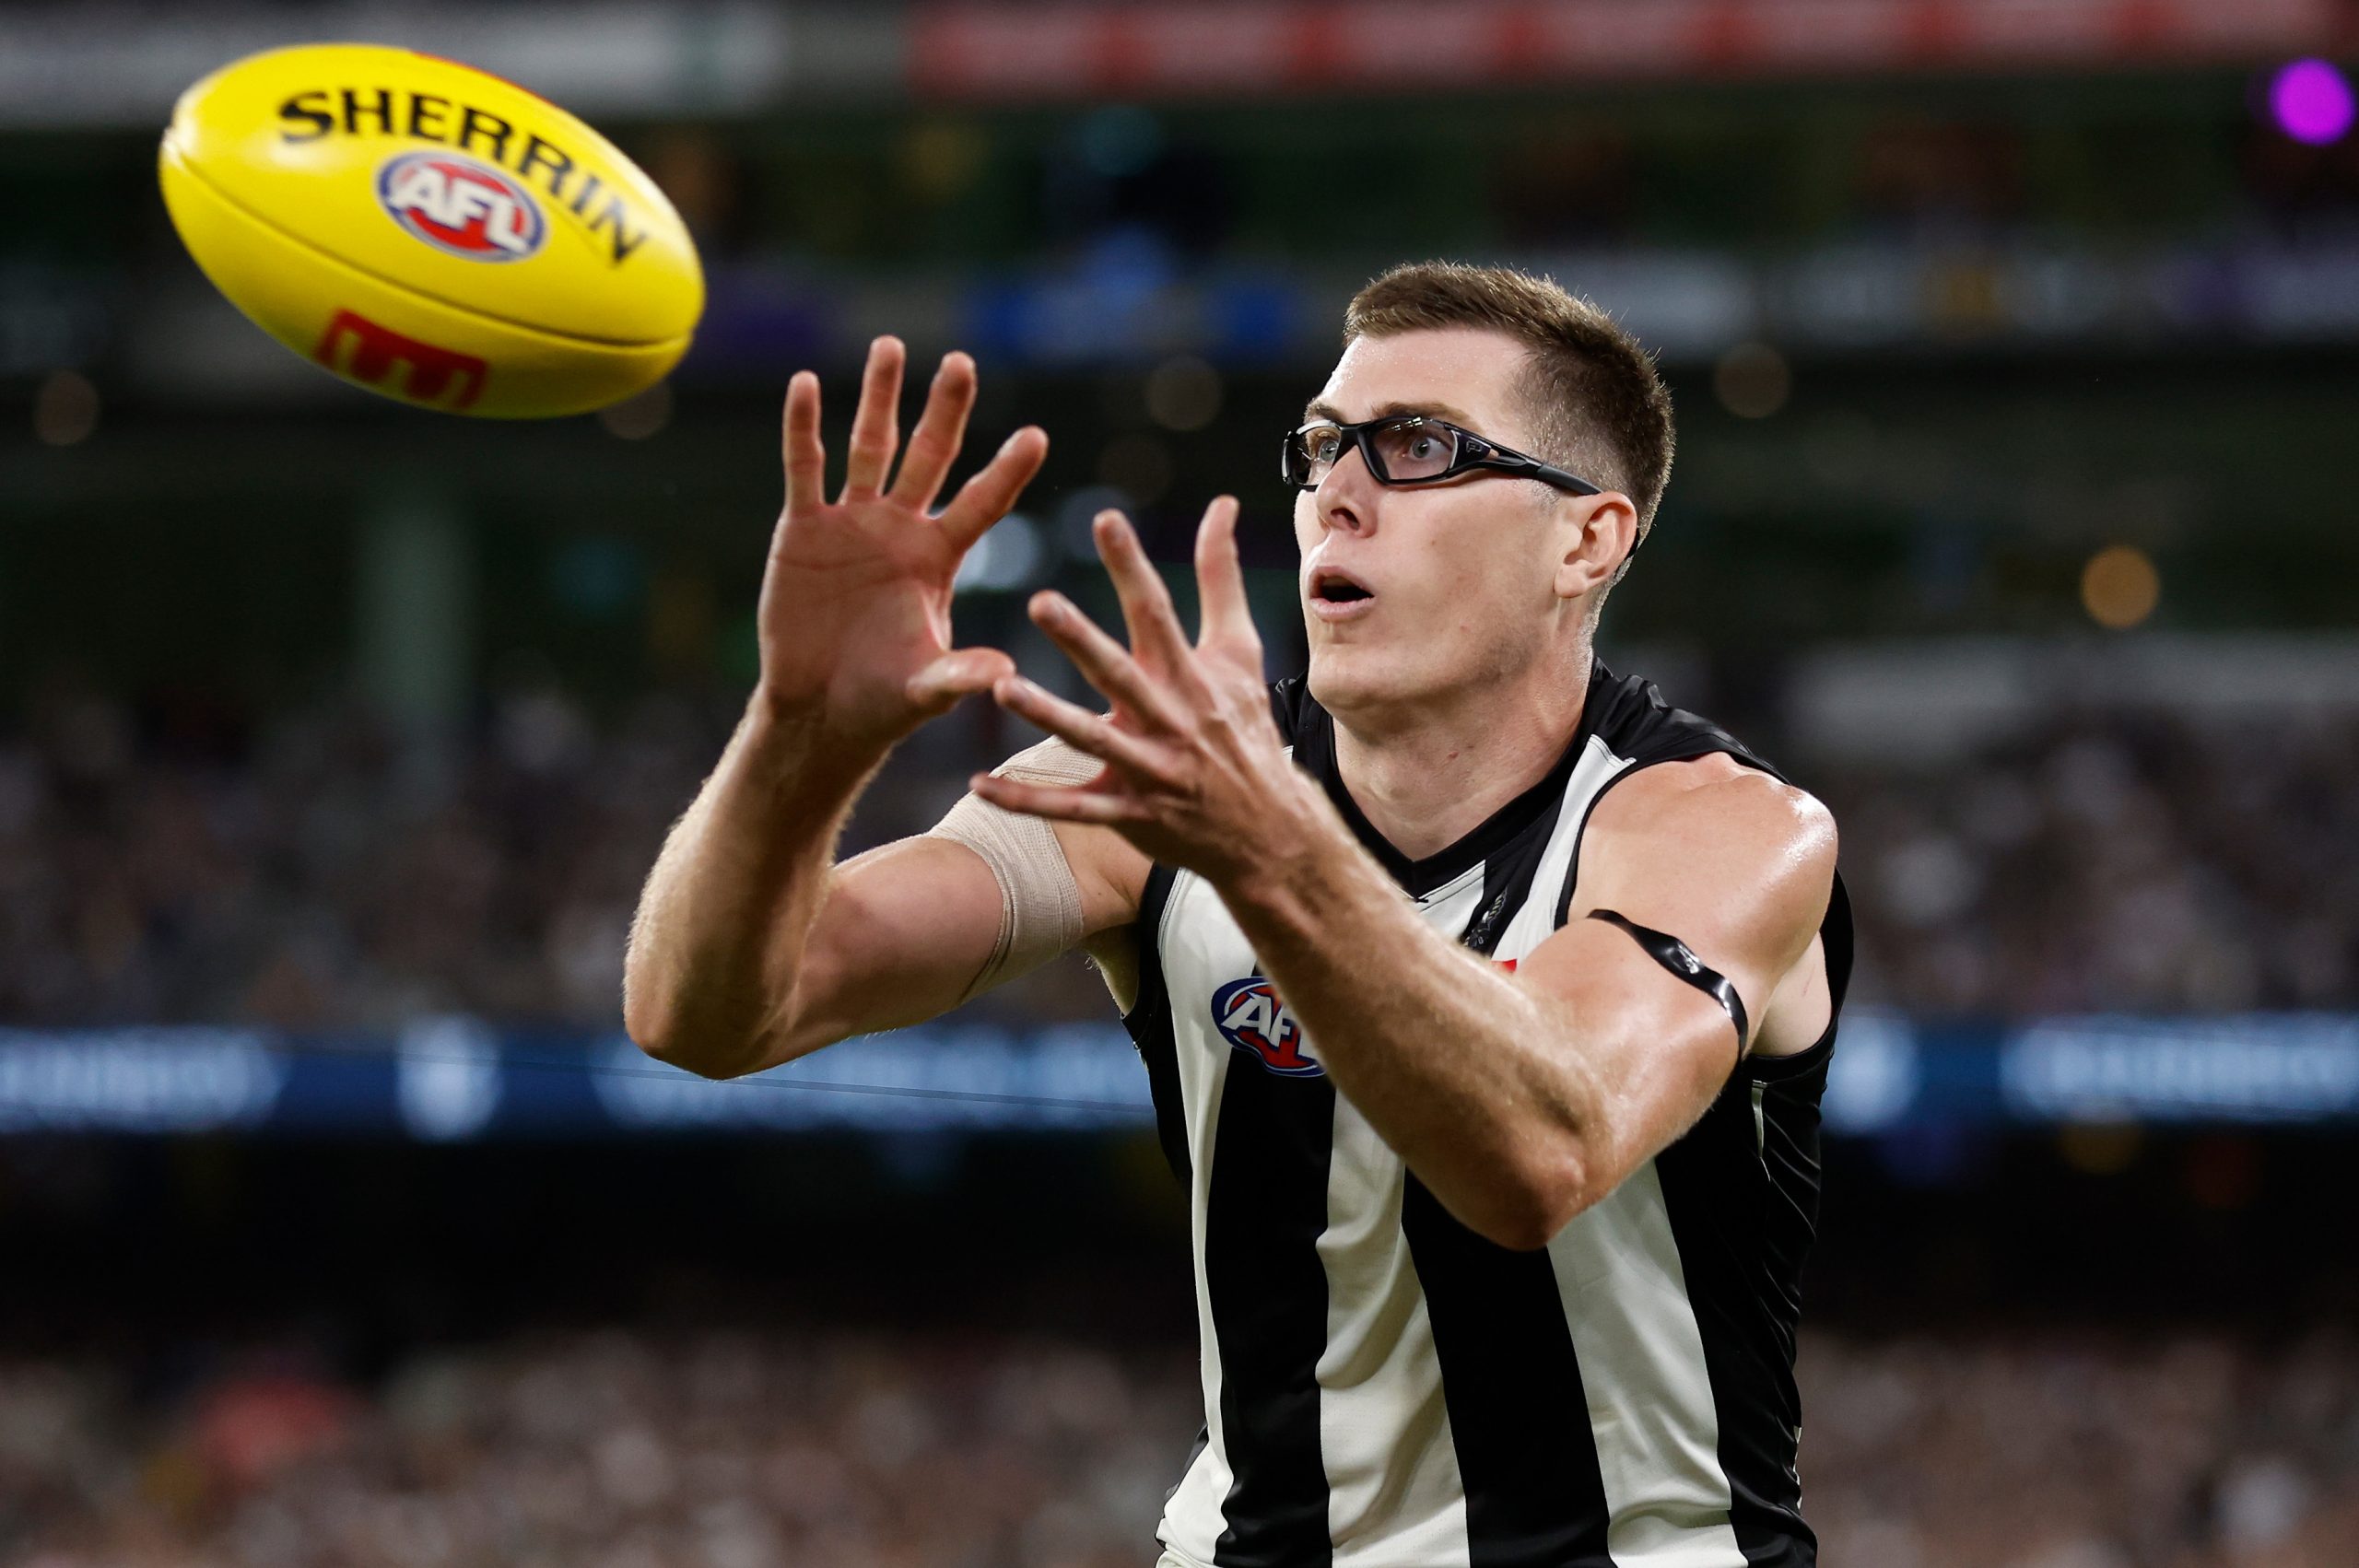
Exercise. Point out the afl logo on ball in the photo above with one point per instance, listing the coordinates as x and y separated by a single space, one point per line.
1250 1017
457 204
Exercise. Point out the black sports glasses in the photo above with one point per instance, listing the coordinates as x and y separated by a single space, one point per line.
1411 449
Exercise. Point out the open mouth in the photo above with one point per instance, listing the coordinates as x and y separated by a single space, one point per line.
1332 587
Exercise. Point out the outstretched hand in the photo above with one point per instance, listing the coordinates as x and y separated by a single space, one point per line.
855 622
1196 773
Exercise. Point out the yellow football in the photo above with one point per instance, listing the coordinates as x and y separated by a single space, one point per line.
431 231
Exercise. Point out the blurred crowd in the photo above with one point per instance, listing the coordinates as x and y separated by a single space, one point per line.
2042 1450
2115 860
843 1449
606 1450
317 873
320 873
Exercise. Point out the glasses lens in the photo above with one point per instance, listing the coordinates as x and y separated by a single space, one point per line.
1311 452
1414 449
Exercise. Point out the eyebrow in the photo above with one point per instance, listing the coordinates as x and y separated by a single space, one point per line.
1320 408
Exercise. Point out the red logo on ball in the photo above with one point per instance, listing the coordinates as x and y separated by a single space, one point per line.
461 206
375 350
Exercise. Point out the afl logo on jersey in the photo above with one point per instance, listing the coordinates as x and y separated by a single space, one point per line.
1250 1017
459 205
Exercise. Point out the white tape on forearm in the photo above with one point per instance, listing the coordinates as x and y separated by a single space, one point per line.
1040 901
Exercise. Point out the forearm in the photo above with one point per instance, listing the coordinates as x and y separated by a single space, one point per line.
718 942
1461 1071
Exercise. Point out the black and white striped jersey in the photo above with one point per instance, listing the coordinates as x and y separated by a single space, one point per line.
1385 1388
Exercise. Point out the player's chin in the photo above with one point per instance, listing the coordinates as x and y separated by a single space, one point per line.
1350 674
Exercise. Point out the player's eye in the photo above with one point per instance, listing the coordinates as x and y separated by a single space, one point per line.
1415 449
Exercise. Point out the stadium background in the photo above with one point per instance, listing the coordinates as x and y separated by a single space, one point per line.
2012 343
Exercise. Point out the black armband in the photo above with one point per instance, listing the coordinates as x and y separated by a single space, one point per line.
1675 956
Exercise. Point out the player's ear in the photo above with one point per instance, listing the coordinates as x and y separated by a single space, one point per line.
1599 533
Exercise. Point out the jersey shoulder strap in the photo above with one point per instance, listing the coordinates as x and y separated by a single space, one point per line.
1638 725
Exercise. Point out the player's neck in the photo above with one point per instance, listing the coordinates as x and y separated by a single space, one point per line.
1425 784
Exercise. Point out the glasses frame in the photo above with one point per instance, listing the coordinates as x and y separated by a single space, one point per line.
1471 451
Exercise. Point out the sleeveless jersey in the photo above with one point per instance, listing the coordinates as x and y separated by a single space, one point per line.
1384 1387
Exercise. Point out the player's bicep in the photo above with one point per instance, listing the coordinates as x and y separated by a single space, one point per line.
1704 895
902 933
910 931
1655 1050
1717 880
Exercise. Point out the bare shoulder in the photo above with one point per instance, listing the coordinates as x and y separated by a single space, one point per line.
1711 833
1718 798
1110 870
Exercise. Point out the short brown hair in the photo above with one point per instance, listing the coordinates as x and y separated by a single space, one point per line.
1602 410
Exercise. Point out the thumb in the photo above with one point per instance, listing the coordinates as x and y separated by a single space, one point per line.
959 672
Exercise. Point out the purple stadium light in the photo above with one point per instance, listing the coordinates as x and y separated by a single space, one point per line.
2312 102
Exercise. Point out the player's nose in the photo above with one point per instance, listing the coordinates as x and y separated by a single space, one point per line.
1346 499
